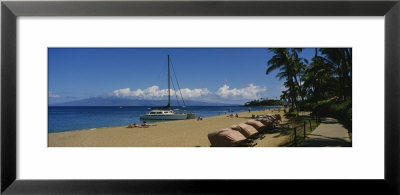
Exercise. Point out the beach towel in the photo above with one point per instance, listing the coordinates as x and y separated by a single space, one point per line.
245 129
225 138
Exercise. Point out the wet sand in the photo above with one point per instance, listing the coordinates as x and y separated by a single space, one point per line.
183 133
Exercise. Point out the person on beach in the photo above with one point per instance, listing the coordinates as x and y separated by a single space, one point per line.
249 109
145 124
236 115
129 125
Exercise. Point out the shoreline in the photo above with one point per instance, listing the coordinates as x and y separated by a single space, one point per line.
151 123
179 133
97 128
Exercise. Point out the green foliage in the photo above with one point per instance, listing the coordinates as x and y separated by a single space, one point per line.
290 66
264 102
327 75
341 110
308 107
299 123
320 80
309 85
292 114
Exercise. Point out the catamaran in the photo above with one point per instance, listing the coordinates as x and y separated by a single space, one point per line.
166 113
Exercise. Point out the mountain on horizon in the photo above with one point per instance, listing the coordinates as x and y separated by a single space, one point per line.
114 101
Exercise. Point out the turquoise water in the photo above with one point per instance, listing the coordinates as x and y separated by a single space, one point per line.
68 118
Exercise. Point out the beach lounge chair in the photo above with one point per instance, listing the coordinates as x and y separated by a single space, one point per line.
265 120
278 117
270 116
226 138
247 130
259 126
256 124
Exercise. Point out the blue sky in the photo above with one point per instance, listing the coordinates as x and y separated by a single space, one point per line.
207 74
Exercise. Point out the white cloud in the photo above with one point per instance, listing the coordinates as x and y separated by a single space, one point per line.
154 92
190 93
250 92
122 92
53 95
224 93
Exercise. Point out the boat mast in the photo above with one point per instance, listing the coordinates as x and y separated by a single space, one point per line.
169 91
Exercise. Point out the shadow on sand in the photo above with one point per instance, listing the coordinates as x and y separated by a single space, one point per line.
325 142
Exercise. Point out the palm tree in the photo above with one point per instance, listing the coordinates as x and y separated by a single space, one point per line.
319 79
301 66
290 66
285 97
328 74
341 58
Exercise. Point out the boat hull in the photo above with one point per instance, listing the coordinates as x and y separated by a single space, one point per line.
164 117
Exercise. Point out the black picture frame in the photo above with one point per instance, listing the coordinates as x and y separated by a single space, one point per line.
11 10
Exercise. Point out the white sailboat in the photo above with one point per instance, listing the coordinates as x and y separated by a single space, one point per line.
166 113
163 115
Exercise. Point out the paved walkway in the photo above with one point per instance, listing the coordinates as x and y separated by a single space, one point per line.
330 133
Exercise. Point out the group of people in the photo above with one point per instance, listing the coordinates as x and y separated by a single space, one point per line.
134 125
255 116
233 116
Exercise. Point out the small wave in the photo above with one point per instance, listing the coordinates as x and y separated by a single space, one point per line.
92 129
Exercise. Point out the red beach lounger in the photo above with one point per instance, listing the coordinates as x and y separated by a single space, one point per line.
266 121
278 117
256 124
245 129
226 138
270 116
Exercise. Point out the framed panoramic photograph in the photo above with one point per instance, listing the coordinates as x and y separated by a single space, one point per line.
156 110
133 97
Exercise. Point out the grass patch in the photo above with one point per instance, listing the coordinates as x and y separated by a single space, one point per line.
351 136
298 123
291 114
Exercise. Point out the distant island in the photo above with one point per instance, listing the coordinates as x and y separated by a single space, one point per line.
264 102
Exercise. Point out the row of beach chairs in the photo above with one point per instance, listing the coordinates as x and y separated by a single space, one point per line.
245 133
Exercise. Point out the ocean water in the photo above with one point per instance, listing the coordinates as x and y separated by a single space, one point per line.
69 118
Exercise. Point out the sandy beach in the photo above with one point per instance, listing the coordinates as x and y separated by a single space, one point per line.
184 133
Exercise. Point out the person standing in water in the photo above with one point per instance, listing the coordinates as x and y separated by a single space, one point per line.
249 109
